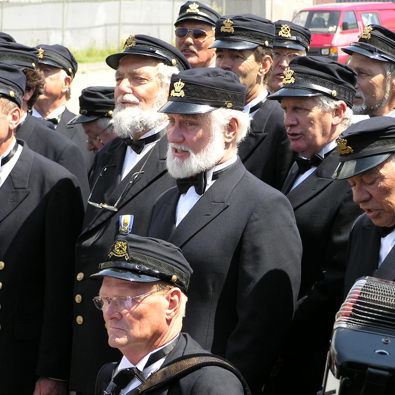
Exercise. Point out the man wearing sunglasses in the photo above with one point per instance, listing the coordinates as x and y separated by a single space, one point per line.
195 33
128 175
244 46
143 298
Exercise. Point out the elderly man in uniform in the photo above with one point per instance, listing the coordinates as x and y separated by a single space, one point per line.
229 225
59 67
317 96
128 175
373 58
291 40
243 44
96 109
367 162
40 218
195 33
143 299
35 132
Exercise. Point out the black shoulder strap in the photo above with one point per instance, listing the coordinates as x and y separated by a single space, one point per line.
185 365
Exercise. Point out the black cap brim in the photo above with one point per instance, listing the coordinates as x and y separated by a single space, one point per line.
114 59
238 45
362 51
193 17
288 92
50 63
124 275
351 168
82 119
179 107
289 45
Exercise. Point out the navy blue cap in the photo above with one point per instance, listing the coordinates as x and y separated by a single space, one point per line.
201 90
12 83
244 31
145 259
376 42
95 102
309 76
57 56
364 145
292 36
197 11
5 37
18 55
143 45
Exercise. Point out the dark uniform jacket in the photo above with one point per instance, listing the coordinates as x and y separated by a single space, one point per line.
246 278
265 152
76 134
364 249
40 217
324 212
210 380
90 349
56 147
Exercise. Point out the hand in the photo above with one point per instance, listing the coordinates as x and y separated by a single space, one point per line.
46 386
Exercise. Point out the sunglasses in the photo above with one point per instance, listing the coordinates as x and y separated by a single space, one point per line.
197 34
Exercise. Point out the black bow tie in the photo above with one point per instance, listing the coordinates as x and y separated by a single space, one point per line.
199 181
306 164
4 160
122 379
55 121
384 231
138 145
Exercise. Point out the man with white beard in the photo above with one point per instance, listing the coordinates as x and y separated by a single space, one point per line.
128 175
373 59
238 233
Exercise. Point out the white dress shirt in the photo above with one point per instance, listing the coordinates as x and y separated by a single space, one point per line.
57 113
386 245
253 102
6 169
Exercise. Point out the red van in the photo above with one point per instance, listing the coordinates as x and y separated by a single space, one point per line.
334 26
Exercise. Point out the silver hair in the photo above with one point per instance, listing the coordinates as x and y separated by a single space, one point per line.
327 104
222 117
106 124
164 73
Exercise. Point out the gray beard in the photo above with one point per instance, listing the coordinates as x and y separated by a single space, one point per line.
371 110
135 122
196 163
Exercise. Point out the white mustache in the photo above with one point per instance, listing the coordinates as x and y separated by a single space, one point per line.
128 98
180 147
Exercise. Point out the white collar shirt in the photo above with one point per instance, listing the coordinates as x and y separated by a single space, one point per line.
253 102
386 245
6 169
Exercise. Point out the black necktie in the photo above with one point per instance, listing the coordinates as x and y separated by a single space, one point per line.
254 108
4 160
138 145
55 121
384 231
306 164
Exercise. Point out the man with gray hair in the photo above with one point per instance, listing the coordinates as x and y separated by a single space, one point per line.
373 59
316 96
128 175
229 225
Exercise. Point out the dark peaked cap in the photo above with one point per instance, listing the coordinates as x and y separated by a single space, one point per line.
364 145
201 90
12 83
197 11
5 37
292 36
57 56
146 259
310 76
244 31
143 45
95 102
18 55
376 42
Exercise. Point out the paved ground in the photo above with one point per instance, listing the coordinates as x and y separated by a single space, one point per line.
92 74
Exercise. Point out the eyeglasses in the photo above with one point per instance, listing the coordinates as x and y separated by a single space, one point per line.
289 56
118 302
91 141
197 34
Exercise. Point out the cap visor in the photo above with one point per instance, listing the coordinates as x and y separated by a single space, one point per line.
50 63
289 45
194 17
233 45
288 92
179 107
362 51
82 119
124 275
354 167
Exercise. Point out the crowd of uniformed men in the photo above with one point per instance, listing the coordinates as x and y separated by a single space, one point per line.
240 158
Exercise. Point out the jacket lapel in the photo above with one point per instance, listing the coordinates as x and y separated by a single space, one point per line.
290 179
210 205
16 187
387 268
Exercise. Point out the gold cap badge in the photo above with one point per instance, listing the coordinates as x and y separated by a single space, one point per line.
193 7
40 53
343 148
366 32
12 93
129 42
227 26
120 250
174 278
228 105
288 77
177 91
285 31
109 113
